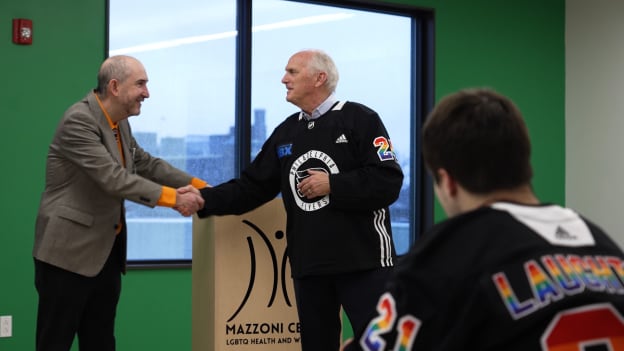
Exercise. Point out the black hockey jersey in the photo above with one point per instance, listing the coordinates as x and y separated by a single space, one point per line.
505 277
347 230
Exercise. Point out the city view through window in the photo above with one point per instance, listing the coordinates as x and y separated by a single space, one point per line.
189 51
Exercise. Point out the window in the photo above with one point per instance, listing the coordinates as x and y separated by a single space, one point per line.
216 93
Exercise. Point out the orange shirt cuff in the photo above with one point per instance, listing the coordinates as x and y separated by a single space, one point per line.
198 183
167 197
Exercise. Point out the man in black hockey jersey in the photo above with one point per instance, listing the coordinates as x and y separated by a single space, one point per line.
335 168
505 272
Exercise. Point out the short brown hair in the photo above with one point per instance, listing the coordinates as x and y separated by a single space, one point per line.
479 137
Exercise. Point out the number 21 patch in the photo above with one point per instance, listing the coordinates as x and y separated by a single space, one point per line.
384 148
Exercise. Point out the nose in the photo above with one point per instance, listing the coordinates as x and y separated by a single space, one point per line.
285 79
146 93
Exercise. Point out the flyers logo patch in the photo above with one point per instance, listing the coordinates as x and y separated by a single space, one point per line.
311 160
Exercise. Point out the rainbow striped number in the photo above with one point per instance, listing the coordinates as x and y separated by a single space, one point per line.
384 149
407 327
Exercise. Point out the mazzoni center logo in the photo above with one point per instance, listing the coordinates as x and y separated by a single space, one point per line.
263 328
277 272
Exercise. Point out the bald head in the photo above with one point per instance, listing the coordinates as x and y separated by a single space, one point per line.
115 67
122 87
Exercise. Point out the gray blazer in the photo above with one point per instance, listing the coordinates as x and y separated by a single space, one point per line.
85 187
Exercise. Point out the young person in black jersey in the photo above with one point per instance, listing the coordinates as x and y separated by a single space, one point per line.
335 168
505 271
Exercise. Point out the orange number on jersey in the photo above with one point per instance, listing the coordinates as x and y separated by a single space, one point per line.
579 328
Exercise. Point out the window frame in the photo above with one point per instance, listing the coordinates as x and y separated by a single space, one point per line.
422 100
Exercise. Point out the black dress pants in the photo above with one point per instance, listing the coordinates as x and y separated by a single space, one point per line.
319 299
71 304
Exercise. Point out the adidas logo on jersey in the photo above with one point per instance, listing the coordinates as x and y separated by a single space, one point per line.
561 233
342 139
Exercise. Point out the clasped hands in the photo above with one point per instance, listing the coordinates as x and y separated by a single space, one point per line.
188 200
314 185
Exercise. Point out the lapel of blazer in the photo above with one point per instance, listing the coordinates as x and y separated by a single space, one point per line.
108 138
128 148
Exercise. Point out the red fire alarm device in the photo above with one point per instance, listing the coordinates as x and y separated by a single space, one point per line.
22 31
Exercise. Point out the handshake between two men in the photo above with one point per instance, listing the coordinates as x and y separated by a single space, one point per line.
188 200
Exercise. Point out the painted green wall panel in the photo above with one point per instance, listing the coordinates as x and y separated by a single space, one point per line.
515 47
39 81
155 310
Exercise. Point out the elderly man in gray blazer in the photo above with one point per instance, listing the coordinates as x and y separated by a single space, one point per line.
93 165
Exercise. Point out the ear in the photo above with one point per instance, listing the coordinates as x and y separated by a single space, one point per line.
113 86
447 183
321 78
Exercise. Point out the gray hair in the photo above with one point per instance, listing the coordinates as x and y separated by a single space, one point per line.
322 62
115 67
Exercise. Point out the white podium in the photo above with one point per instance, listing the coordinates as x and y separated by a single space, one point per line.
243 298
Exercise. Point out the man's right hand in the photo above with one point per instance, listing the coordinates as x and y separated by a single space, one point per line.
188 200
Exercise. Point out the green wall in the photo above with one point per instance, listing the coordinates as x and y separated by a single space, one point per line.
516 48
